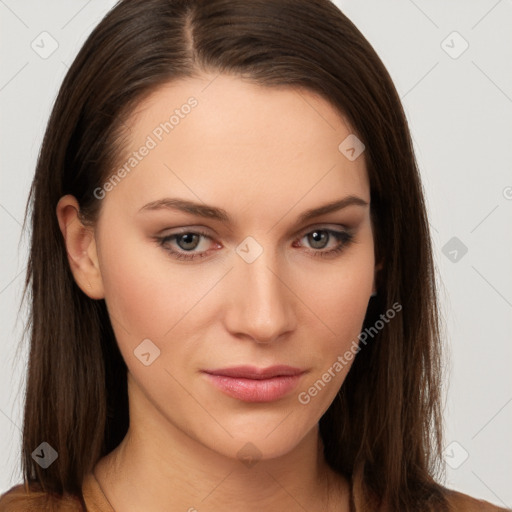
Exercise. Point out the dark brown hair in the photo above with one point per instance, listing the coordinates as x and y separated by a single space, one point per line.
383 430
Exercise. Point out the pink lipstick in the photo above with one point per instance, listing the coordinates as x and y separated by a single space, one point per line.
252 384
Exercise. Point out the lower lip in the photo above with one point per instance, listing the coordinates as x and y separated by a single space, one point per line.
252 390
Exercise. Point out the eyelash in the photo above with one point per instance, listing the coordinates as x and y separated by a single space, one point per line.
344 238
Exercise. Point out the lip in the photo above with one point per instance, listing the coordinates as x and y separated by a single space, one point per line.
252 384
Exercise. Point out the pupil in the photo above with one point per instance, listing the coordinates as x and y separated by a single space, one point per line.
186 236
316 234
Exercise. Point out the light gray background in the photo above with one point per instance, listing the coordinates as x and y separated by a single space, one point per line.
460 115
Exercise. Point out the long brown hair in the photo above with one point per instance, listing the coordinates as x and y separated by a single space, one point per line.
383 430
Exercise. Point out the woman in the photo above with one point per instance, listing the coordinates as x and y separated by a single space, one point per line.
289 358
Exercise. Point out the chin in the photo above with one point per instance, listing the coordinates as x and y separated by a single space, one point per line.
259 442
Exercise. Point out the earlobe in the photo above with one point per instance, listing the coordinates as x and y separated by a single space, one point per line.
80 247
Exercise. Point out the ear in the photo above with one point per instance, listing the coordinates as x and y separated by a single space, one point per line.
80 247
378 267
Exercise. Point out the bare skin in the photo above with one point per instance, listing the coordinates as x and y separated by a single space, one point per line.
265 156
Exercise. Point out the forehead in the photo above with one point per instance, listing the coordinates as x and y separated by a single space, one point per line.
214 136
229 106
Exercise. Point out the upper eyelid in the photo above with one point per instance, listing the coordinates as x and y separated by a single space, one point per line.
326 227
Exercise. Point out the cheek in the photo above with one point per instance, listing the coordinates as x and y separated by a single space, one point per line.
142 298
150 297
338 296
332 353
347 312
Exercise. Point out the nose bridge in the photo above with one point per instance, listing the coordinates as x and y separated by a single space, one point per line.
261 306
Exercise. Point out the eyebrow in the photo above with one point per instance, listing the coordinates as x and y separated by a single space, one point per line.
212 212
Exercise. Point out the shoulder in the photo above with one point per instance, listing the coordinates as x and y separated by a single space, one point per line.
464 503
18 499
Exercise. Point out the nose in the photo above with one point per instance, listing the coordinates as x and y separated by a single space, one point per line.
261 304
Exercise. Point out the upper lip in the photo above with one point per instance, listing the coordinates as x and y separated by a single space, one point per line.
253 372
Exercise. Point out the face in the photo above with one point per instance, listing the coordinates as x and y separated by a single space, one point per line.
244 278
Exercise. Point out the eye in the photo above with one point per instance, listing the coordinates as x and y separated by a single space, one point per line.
188 241
318 239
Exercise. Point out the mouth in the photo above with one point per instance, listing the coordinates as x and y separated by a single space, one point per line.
252 384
